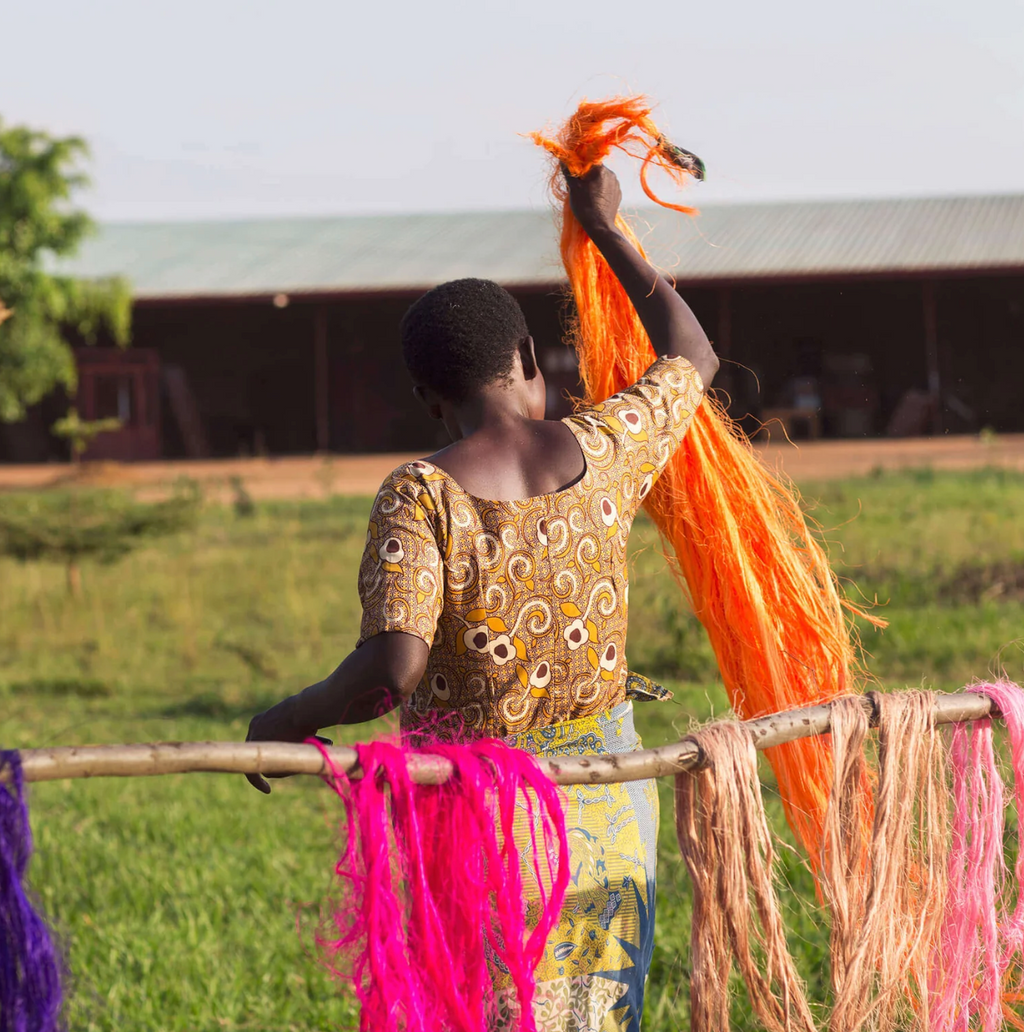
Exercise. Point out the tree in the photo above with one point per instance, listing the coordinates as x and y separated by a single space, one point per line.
70 526
80 433
38 174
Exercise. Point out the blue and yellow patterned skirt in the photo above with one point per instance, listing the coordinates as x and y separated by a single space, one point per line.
592 976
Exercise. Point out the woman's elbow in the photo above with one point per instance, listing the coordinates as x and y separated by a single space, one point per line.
708 368
394 662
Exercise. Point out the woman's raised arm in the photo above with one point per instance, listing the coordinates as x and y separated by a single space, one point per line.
667 318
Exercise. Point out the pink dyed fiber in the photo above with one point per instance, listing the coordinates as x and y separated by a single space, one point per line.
432 887
982 937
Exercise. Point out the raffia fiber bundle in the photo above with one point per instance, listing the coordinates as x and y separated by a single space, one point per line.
886 899
757 579
727 846
927 930
415 934
976 977
30 962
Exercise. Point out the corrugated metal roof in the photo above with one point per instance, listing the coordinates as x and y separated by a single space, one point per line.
408 252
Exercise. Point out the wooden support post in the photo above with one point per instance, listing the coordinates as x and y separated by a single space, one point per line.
931 351
321 380
723 341
723 346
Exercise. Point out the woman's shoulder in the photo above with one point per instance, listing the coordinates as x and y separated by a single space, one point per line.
417 484
414 477
419 471
666 377
662 400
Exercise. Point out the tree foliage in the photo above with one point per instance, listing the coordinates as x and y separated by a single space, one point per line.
80 433
66 527
38 174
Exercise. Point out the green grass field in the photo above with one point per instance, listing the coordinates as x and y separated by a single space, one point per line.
180 898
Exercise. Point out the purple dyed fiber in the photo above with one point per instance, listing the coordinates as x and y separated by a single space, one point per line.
30 992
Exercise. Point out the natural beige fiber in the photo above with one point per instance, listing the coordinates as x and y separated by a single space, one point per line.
845 859
725 841
886 906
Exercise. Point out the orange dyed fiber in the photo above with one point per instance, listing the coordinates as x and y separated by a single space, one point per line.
758 580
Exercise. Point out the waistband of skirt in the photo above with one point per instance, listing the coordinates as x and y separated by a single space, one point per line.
611 731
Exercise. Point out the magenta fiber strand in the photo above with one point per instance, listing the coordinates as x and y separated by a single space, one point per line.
433 897
979 940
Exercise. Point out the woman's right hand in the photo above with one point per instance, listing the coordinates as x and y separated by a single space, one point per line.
672 328
595 198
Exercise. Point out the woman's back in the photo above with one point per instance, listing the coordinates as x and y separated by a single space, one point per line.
510 616
524 602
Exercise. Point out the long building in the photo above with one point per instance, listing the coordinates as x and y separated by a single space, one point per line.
278 336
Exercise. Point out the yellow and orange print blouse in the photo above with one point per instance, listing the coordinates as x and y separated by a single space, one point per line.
524 603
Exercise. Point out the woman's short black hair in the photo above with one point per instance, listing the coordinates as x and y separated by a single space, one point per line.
461 336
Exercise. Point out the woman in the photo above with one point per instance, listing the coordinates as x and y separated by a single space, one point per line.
494 589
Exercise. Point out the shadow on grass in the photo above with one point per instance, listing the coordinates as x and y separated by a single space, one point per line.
63 687
216 707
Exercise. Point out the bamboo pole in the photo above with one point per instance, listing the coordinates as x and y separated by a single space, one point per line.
154 758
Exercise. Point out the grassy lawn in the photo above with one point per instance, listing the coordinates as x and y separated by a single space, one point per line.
179 898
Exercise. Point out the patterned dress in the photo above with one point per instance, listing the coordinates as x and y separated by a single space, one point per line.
524 606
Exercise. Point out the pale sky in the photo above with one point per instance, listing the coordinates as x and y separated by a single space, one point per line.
215 109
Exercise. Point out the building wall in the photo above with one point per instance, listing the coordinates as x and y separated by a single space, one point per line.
782 331
863 343
981 348
251 367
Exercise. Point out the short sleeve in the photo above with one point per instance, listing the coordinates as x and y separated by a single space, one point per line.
648 420
401 574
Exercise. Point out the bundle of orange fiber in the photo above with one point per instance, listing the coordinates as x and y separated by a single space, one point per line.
758 580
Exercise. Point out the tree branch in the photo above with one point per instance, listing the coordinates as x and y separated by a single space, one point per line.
288 758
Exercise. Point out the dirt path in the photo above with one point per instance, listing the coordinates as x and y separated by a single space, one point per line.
317 477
